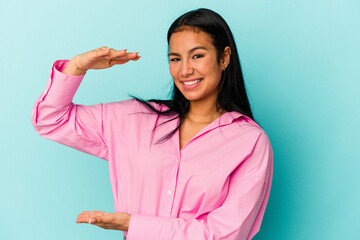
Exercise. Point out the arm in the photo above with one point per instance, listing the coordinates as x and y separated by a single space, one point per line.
54 115
238 218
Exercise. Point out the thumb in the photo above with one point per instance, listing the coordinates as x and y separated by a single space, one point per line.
92 220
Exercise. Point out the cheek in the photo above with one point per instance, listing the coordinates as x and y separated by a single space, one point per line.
207 67
173 70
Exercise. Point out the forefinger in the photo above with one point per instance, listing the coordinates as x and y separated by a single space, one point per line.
112 54
126 56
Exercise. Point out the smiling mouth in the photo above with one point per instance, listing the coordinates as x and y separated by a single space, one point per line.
192 82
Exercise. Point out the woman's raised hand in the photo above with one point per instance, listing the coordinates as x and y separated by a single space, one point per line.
99 58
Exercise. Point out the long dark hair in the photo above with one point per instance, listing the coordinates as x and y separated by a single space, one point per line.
232 94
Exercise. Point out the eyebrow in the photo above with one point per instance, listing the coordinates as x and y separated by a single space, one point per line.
190 51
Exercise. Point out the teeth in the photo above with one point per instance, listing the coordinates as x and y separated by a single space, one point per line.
191 82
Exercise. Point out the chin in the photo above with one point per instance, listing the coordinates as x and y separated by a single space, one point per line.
192 98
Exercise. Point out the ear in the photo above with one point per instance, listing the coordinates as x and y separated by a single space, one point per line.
225 59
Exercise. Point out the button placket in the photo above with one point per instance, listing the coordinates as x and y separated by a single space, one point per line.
170 192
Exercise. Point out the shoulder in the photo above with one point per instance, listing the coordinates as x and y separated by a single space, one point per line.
255 142
248 130
243 123
260 141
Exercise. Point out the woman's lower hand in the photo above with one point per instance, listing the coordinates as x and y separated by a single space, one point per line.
116 221
99 58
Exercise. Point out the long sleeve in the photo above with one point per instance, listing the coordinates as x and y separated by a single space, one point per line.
55 117
238 218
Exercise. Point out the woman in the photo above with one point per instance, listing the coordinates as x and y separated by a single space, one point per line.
193 167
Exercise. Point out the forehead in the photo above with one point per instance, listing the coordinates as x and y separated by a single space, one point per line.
189 38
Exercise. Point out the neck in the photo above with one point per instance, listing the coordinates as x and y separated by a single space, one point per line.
203 111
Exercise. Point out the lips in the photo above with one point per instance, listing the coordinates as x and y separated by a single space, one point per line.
189 80
191 83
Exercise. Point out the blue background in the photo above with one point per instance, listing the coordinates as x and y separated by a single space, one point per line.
301 62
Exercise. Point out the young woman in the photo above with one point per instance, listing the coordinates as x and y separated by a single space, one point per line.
193 167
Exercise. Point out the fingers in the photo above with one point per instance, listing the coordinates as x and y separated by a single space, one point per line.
116 221
90 217
105 57
96 211
110 53
122 55
98 218
124 59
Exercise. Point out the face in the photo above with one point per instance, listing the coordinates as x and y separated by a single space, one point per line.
194 65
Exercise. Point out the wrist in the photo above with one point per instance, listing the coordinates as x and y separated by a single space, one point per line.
127 222
72 69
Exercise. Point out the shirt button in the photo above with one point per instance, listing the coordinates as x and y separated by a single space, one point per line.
169 192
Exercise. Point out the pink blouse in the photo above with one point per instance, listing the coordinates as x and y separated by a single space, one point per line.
216 187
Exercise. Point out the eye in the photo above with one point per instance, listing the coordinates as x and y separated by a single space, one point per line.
198 56
174 59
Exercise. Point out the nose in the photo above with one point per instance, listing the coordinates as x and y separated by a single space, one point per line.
186 68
